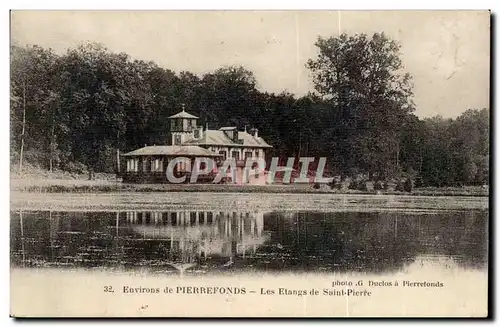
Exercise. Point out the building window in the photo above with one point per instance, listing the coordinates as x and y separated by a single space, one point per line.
156 165
248 154
236 155
177 140
224 154
177 124
183 165
132 164
196 133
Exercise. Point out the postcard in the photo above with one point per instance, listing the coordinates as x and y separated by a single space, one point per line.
249 163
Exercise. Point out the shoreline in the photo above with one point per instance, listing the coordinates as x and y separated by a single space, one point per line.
116 186
225 201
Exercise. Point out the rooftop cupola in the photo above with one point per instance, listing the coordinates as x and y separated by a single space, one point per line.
182 123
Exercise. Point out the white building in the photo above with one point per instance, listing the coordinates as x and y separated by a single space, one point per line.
227 141
188 139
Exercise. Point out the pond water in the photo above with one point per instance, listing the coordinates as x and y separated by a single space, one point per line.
231 242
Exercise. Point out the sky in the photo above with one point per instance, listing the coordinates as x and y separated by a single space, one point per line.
446 52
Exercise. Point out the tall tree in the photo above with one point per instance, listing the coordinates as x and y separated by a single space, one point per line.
33 99
361 77
97 87
228 89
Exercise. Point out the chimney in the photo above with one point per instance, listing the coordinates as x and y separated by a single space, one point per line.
254 132
198 133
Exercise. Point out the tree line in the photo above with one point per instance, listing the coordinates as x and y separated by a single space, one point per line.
76 110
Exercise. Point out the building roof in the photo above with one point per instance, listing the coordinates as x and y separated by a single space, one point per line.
227 128
183 114
173 150
218 137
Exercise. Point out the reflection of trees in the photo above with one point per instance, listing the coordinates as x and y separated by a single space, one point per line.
372 241
475 244
62 238
340 241
245 240
468 237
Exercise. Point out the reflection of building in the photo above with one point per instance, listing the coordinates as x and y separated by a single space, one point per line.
178 239
200 233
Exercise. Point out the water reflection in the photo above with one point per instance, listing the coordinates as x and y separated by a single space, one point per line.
198 242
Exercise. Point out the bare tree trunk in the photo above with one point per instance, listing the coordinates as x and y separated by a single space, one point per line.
118 152
421 161
23 130
52 137
397 155
118 160
22 237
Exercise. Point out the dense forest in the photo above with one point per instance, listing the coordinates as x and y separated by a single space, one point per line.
74 111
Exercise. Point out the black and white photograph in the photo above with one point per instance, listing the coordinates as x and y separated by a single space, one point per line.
256 163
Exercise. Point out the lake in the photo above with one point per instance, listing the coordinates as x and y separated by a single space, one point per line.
200 242
77 246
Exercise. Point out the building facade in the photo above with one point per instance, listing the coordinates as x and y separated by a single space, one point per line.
189 140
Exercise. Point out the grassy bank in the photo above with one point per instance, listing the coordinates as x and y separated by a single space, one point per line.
261 202
113 186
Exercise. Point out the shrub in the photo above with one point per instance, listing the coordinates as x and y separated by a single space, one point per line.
336 183
399 186
345 184
378 185
361 185
408 185
76 167
419 182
